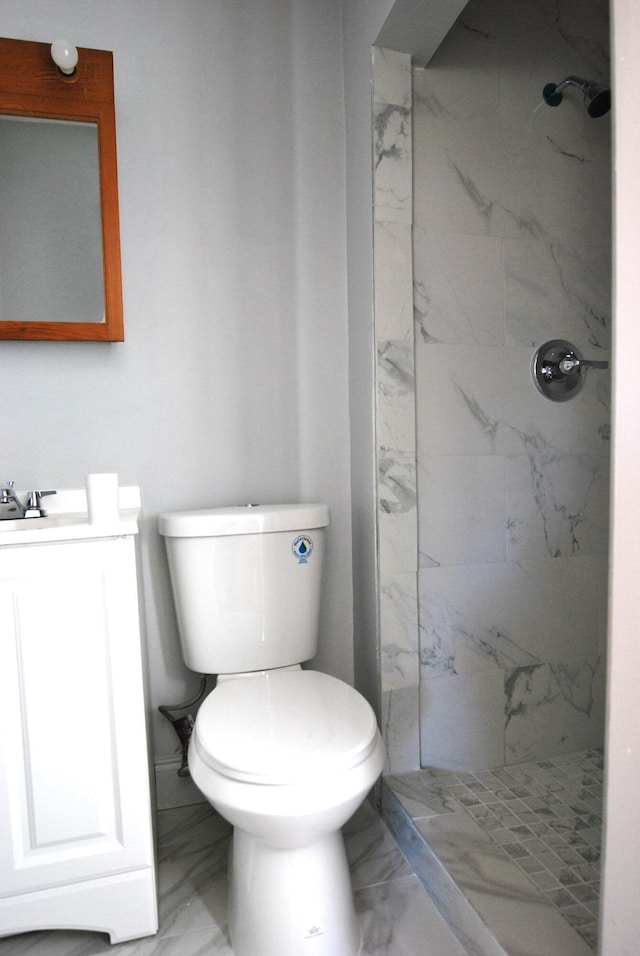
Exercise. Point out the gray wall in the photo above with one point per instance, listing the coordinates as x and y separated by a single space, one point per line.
232 384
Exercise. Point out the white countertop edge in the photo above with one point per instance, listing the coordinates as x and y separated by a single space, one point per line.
67 520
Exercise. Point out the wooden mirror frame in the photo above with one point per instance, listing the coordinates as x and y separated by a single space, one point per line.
32 85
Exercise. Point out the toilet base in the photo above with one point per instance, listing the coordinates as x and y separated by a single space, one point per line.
291 902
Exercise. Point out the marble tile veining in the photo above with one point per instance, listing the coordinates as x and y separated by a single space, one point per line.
392 152
395 403
511 247
396 914
546 816
395 920
520 843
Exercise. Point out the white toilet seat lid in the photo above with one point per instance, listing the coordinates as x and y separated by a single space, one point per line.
283 727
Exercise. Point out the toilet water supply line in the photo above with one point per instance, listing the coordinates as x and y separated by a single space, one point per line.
184 725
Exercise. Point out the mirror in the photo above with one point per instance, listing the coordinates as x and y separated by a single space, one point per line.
50 214
60 275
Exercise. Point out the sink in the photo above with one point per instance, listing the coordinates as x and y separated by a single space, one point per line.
35 524
22 524
67 520
66 526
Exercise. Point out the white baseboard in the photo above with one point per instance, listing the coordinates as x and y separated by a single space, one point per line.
172 790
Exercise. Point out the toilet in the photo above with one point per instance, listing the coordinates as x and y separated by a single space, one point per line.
286 755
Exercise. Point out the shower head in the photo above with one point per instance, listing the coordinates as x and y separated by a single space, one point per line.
597 98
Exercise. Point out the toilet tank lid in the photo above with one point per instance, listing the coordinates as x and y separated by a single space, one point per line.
247 519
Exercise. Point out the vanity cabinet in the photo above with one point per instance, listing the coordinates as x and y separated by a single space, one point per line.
76 847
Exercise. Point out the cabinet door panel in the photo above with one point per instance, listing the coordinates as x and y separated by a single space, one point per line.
74 767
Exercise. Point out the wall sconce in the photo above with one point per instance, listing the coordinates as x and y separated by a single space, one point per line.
65 56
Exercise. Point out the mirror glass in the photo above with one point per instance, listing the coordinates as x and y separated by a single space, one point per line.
50 235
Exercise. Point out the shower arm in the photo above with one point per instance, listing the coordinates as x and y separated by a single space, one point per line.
597 98
573 81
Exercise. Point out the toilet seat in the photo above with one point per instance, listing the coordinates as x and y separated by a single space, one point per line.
284 727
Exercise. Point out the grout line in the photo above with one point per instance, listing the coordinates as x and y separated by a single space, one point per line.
546 817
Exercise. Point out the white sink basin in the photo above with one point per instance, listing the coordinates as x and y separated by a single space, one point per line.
34 524
67 520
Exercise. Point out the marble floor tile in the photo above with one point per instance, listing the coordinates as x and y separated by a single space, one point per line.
192 881
396 913
517 841
398 919
499 891
66 943
212 941
552 815
422 793
373 855
192 824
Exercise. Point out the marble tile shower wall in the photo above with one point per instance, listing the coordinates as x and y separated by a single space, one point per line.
510 209
395 407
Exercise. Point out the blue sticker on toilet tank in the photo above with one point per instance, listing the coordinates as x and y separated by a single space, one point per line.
302 548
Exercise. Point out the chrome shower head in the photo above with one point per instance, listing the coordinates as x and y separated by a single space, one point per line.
597 98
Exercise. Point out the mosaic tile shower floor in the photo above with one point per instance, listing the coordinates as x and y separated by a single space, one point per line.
543 817
546 816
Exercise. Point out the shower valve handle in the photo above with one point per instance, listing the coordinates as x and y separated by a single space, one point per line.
559 369
571 363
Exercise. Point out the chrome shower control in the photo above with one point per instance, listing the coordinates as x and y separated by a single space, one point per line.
572 363
559 370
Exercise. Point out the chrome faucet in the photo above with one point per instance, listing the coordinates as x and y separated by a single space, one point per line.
7 495
32 509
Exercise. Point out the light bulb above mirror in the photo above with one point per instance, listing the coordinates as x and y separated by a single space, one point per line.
65 56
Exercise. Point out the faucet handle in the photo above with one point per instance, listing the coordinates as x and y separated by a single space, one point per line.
36 495
570 363
34 507
9 496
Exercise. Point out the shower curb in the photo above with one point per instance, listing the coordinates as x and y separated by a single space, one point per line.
486 922
462 919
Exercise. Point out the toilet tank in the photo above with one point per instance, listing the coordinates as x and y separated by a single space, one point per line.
246 584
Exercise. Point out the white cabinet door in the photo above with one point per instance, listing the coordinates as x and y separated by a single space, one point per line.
74 793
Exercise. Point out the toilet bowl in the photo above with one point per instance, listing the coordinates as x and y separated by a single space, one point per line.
287 756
